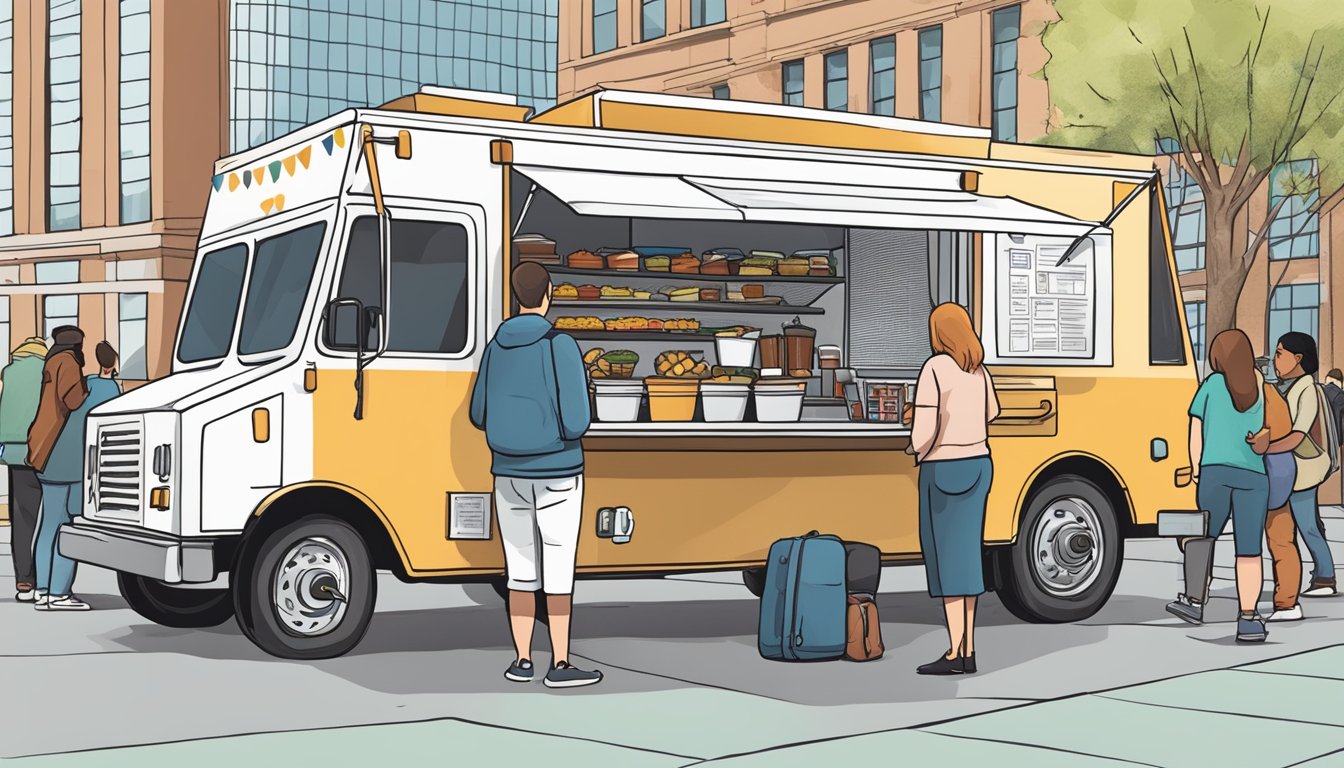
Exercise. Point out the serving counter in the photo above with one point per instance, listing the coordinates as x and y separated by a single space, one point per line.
735 437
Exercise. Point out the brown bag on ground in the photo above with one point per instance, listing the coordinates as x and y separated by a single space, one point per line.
863 632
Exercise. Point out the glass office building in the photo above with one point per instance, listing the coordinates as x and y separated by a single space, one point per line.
292 62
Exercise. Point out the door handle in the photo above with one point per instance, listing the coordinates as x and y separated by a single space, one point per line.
1026 416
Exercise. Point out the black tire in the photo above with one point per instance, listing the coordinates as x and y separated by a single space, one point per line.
178 607
1050 527
754 580
260 570
501 587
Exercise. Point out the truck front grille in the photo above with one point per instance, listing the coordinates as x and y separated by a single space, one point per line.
119 480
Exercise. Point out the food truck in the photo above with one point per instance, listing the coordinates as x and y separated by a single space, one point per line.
750 285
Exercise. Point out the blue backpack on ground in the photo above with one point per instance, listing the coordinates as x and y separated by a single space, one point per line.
803 605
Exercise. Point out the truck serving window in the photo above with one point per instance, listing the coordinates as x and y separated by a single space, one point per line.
429 285
1166 341
208 330
281 274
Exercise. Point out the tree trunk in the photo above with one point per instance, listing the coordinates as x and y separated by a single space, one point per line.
1225 272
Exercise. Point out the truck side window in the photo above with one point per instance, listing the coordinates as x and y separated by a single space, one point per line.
1166 343
207 332
429 291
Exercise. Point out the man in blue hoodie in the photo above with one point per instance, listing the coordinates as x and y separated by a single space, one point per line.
531 398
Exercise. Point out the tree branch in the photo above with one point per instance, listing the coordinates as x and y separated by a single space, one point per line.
1248 257
1205 138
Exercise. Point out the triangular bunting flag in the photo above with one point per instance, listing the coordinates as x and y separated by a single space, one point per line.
305 155
274 168
258 175
267 204
233 181
327 144
279 203
247 179
218 181
340 137
289 165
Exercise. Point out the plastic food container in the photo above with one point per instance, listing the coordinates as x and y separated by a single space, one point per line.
778 401
737 351
672 399
724 402
618 400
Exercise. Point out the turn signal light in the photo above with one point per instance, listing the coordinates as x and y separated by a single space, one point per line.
159 498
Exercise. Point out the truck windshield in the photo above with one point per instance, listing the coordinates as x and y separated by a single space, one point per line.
208 330
282 270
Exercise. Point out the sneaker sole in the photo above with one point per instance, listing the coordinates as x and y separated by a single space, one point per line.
1252 638
1320 595
570 683
1286 621
70 609
516 678
1186 619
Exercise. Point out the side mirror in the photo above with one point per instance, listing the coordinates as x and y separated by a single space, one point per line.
341 323
404 145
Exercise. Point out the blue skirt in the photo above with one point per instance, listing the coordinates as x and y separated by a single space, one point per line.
952 497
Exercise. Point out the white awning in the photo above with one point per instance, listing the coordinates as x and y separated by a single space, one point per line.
600 193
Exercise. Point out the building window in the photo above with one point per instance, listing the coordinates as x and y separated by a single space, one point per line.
63 94
1294 308
706 12
57 272
134 111
931 73
723 92
6 121
604 25
1195 318
1185 214
1007 23
1295 232
1168 146
58 311
837 80
793 83
131 325
882 80
654 23
292 63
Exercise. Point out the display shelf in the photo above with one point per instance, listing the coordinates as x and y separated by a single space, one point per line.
610 273
689 307
707 338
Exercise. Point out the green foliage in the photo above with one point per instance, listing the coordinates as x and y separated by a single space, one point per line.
1229 79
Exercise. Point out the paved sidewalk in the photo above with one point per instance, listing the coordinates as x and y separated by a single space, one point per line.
1269 714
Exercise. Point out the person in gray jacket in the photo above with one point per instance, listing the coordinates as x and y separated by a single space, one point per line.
20 387
531 398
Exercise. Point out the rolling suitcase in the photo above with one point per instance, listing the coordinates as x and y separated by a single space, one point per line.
804 602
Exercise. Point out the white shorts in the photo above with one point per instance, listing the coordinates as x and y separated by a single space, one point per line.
539 522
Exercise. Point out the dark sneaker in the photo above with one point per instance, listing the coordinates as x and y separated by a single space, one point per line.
1186 610
520 671
566 675
943 666
968 664
1321 589
1251 630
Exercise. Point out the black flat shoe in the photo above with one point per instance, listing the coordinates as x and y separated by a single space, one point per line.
943 666
968 664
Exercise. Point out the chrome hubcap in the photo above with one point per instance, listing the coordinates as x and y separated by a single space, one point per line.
1067 544
308 581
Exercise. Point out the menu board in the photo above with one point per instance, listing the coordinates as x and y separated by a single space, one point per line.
1046 309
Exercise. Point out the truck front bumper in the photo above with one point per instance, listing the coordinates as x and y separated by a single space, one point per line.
160 556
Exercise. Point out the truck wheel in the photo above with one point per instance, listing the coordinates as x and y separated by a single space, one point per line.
501 587
1067 558
306 590
179 607
754 580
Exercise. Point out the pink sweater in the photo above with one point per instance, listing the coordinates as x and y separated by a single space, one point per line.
953 409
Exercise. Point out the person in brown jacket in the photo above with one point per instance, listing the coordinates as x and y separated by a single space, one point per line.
63 390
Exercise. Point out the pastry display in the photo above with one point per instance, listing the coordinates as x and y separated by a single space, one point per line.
709 294
609 292
643 295
721 261
683 294
589 293
626 261
733 375
681 325
819 266
794 267
776 255
737 331
617 364
753 291
686 264
627 324
536 248
565 292
578 323
758 265
657 263
680 365
585 260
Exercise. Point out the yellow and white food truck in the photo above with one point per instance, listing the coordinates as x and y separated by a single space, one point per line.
316 428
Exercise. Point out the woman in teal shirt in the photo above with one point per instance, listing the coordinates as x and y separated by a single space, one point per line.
62 483
1227 443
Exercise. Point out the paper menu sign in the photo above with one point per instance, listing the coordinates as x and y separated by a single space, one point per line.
1046 309
469 515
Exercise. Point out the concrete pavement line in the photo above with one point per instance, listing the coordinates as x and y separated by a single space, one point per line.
674 678
64 655
1061 750
1288 674
1218 711
1318 757
694 758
